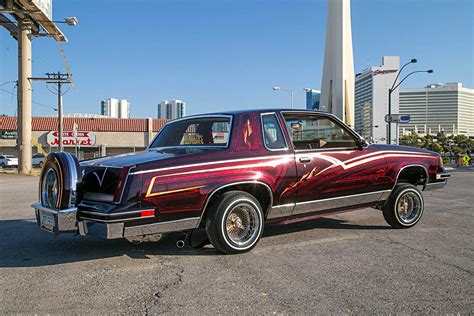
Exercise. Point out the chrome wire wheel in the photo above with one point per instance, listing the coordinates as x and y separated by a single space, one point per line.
409 207
242 224
50 189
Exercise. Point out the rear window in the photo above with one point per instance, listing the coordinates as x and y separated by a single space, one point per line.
195 132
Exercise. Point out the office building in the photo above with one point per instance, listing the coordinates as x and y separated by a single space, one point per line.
115 108
371 100
313 98
438 107
171 110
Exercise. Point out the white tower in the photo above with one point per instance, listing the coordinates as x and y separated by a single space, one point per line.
337 87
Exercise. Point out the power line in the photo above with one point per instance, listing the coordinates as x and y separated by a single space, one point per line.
41 104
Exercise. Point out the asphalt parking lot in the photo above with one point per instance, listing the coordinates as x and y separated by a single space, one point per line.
349 263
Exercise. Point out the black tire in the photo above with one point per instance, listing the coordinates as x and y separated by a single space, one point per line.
225 212
404 207
2 165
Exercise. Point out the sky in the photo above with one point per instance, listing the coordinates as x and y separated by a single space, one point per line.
227 54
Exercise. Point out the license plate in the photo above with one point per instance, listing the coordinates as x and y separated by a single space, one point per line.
47 221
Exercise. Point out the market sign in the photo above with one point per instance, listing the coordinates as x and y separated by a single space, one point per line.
83 139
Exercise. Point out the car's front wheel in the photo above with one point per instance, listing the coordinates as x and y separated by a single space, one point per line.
235 222
404 206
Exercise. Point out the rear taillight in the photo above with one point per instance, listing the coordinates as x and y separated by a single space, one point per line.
147 213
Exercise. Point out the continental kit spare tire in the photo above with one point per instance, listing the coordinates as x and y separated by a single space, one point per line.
58 182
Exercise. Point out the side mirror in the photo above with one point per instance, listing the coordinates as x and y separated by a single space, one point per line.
362 143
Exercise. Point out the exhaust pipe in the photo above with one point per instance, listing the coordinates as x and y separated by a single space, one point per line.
180 244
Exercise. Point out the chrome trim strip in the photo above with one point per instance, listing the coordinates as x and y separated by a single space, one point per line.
197 117
328 204
281 130
281 211
214 163
435 185
337 202
164 227
231 184
114 220
113 214
73 173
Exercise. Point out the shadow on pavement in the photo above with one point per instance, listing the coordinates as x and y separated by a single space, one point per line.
24 244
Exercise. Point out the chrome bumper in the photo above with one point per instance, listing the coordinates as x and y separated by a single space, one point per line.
441 181
65 221
56 221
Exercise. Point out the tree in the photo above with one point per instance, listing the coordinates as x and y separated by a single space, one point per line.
411 139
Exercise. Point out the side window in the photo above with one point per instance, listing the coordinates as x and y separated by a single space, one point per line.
272 133
317 132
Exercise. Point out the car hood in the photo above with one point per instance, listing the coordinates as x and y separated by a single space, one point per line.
143 157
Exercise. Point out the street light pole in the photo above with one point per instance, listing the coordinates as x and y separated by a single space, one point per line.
390 90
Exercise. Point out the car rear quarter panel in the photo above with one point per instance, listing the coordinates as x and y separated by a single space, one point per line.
181 190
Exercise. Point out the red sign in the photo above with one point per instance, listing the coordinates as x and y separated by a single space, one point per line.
84 139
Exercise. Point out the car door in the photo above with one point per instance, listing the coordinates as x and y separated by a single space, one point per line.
334 169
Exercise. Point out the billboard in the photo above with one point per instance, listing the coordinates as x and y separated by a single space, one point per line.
46 6
82 139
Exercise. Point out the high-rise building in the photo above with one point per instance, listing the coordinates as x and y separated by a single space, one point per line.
171 109
337 85
115 108
371 99
312 99
438 107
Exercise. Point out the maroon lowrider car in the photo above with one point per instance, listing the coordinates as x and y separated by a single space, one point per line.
229 174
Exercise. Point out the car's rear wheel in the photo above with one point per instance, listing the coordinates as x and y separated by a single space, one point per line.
58 181
404 207
235 222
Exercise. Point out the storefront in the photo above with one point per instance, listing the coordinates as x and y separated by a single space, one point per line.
88 137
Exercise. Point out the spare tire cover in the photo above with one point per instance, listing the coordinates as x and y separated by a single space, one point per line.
58 182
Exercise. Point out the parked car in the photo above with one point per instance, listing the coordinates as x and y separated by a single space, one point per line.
8 161
38 160
229 174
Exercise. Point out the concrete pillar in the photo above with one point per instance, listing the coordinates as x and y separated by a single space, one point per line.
24 97
149 132
103 150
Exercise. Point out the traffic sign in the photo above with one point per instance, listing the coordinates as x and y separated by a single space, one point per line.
397 118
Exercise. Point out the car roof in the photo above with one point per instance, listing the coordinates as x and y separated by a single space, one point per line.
264 110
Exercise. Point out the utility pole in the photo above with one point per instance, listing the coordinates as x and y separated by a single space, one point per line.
59 79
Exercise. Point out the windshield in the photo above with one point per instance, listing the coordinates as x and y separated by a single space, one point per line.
195 132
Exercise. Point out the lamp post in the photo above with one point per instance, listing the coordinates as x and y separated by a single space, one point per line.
289 91
393 88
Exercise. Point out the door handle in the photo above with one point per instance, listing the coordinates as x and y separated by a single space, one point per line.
305 159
